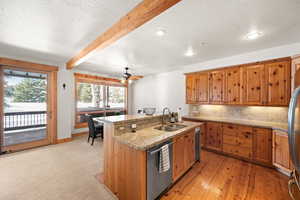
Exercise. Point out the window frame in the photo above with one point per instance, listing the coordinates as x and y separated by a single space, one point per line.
106 82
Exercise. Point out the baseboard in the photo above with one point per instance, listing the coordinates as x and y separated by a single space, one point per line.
80 134
282 171
64 140
59 141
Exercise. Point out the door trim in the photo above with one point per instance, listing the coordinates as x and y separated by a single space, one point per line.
51 72
1 108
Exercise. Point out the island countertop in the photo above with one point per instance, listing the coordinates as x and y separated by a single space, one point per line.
149 137
124 118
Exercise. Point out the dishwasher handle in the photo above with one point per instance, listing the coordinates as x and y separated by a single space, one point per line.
159 149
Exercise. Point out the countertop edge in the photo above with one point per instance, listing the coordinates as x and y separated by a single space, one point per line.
273 127
147 147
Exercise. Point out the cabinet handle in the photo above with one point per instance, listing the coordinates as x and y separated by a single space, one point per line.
290 184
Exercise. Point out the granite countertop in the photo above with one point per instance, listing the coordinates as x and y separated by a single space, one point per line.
262 124
123 118
147 138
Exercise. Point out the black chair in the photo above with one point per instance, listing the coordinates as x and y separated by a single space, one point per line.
94 130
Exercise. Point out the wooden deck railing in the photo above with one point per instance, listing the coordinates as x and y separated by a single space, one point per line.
24 120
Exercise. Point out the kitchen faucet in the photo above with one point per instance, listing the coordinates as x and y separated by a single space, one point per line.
163 117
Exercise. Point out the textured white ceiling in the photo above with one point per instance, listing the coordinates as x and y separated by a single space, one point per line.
57 29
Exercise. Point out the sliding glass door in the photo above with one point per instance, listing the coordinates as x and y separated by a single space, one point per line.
25 108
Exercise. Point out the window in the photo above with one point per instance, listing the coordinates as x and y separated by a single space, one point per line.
115 97
98 96
89 96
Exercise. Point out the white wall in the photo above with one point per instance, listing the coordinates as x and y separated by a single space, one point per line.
66 102
168 89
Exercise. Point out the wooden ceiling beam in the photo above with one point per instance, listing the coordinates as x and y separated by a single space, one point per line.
142 13
135 77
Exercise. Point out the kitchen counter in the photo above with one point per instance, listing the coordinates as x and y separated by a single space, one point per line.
275 126
124 118
149 137
127 161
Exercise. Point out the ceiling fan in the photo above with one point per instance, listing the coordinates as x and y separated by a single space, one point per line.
129 77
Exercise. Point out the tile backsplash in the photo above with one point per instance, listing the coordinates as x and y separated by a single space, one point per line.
258 113
125 126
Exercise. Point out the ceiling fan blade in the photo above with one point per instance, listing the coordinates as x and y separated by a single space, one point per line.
135 77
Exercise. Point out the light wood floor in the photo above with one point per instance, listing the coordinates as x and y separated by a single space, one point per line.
222 178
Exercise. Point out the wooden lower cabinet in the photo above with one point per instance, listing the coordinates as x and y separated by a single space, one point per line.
281 154
183 153
245 142
259 145
262 141
237 140
203 135
213 139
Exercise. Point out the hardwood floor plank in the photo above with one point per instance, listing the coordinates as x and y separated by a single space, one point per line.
218 177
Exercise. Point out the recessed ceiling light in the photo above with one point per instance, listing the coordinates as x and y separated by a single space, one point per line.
190 52
160 32
253 35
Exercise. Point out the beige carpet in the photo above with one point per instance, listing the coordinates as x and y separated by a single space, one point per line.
57 172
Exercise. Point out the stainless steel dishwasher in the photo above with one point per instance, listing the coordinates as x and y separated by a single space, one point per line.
158 182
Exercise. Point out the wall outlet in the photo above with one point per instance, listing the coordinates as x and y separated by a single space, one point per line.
133 126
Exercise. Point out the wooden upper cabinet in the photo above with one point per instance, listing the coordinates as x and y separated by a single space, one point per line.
216 84
202 87
190 89
233 85
278 83
254 85
265 83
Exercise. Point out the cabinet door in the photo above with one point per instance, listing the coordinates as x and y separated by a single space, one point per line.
262 142
281 154
254 85
203 135
202 87
245 137
189 150
214 136
233 85
190 89
278 80
216 90
178 157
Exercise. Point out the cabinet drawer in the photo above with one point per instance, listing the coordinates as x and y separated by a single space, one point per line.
244 152
245 129
228 148
229 139
244 139
238 151
230 129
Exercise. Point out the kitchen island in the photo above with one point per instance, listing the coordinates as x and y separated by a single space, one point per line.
132 146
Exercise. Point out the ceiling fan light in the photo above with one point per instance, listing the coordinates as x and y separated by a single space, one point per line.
123 81
130 81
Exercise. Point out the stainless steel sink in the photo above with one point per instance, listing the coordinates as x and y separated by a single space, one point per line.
170 127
